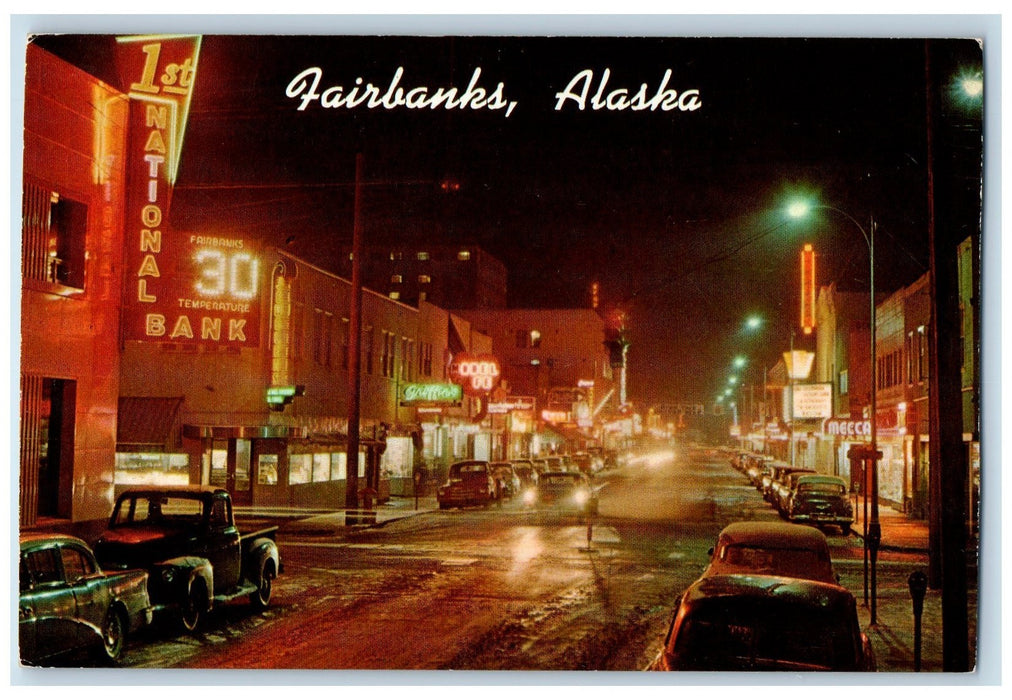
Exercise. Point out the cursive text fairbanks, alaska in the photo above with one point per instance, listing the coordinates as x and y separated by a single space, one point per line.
585 90
306 87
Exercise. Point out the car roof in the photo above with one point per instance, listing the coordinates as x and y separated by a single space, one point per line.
35 539
774 533
767 588
190 490
571 475
824 478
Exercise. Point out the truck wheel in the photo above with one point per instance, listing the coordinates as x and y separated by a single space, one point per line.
192 607
113 637
262 597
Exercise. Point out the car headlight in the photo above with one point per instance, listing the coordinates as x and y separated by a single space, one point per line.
581 497
530 496
168 575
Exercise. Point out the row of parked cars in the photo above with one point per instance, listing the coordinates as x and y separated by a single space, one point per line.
768 600
557 480
799 494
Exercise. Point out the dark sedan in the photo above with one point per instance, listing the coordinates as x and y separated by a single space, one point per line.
568 491
765 623
68 604
821 500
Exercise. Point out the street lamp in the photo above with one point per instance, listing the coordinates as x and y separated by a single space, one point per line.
800 209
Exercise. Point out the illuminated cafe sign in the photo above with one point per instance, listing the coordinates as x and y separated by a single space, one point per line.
476 374
436 394
512 403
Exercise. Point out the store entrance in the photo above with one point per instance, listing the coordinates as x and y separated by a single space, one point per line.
56 447
230 469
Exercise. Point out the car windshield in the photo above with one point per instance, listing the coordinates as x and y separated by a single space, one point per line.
158 508
468 469
729 635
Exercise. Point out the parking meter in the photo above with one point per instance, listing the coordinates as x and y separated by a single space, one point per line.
918 583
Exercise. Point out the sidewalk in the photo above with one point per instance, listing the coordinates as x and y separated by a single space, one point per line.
899 532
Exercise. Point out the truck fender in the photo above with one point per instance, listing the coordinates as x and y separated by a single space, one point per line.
185 572
260 551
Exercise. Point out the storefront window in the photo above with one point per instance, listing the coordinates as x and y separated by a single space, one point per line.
300 469
151 469
321 467
219 463
267 470
338 466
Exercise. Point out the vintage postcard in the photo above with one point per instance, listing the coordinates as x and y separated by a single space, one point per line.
654 353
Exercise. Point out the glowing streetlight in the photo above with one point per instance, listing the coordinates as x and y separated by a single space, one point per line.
739 362
799 209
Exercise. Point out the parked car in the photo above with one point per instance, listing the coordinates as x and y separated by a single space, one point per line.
187 539
772 548
584 462
821 500
540 465
468 483
567 490
554 463
68 603
507 481
524 469
765 623
756 466
784 479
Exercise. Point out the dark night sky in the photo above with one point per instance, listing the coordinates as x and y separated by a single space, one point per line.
674 213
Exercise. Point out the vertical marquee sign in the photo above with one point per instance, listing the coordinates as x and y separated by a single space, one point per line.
180 287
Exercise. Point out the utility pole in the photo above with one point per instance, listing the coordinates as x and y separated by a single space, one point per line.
949 221
355 343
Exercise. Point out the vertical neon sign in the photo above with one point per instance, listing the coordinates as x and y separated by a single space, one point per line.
807 289
181 287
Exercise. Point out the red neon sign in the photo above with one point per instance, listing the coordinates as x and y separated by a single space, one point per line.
477 374
808 288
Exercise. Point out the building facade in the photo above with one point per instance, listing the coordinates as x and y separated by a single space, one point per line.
449 276
71 277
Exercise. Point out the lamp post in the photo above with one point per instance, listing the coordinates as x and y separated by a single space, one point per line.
797 210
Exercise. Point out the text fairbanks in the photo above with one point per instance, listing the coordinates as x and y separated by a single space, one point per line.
306 86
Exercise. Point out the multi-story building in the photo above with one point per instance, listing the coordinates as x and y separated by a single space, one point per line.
270 421
558 358
153 355
72 241
449 276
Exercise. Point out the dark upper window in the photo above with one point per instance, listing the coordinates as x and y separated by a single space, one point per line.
54 231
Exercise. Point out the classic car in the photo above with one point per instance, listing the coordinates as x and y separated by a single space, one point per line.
187 539
507 481
568 491
69 604
765 623
772 548
785 480
821 500
524 469
469 483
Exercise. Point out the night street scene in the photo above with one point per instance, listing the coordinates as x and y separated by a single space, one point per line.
656 354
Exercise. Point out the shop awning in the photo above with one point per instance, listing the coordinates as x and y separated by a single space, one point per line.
570 435
147 423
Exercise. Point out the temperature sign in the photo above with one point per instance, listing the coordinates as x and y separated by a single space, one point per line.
477 374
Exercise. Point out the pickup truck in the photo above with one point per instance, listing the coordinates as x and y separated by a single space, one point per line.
187 540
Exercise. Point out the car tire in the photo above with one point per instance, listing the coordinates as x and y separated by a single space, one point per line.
113 637
192 610
261 599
